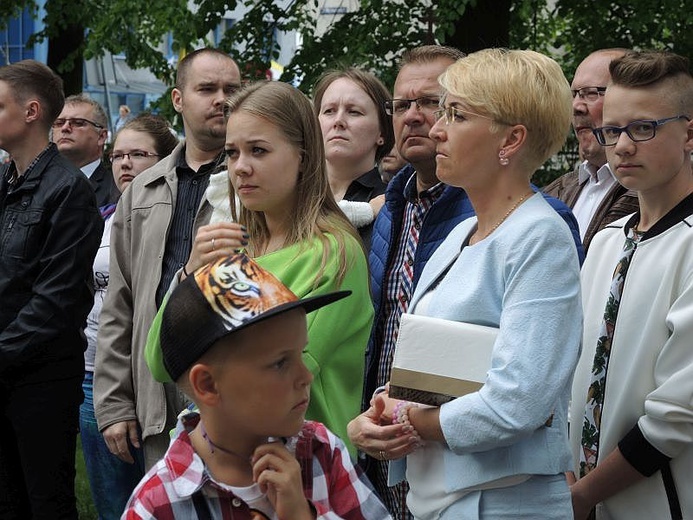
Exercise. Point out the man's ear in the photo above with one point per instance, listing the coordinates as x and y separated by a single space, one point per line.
103 135
177 100
203 385
33 110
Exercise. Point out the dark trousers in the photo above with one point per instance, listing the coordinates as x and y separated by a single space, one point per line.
38 434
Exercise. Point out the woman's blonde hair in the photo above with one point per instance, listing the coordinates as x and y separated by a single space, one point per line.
516 87
316 212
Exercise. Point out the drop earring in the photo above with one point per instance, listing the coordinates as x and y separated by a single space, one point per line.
502 158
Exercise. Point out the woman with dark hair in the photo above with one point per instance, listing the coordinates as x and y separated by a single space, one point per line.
357 133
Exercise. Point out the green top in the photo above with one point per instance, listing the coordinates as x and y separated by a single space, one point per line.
337 334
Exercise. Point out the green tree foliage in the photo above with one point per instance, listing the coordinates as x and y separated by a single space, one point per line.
633 24
373 36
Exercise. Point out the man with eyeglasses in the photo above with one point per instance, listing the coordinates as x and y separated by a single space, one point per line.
153 229
631 412
80 131
418 213
591 189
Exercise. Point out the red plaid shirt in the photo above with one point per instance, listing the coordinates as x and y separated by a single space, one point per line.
330 481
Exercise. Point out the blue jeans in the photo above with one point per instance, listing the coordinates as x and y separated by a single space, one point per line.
111 480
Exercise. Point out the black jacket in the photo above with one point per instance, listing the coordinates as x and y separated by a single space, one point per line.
104 185
50 230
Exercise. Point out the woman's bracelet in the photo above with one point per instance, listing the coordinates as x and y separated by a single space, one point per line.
400 415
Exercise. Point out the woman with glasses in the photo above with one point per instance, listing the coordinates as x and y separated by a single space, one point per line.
140 143
631 409
357 133
501 451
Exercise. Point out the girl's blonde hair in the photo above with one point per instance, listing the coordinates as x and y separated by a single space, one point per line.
316 212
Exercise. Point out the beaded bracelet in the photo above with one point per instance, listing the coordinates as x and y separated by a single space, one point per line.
400 415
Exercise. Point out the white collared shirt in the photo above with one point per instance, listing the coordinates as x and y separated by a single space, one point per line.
596 186
88 169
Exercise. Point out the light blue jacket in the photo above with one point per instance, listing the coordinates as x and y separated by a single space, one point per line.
524 279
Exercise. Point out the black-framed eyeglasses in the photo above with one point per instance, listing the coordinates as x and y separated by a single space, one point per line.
641 130
455 114
135 155
400 106
75 122
589 94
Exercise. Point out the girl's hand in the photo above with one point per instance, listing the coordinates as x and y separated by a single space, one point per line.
215 241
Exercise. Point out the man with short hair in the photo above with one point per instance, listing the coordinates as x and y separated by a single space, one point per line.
80 131
418 214
50 230
153 230
591 190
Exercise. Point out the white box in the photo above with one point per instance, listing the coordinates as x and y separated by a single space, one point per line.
437 360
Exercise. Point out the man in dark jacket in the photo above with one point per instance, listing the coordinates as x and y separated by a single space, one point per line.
80 131
50 229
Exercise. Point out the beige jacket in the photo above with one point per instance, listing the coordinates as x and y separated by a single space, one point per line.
124 389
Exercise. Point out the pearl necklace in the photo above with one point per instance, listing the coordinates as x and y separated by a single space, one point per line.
512 208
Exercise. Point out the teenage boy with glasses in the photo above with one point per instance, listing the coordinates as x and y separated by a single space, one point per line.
631 412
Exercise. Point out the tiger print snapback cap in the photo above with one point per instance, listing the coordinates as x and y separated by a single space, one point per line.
219 299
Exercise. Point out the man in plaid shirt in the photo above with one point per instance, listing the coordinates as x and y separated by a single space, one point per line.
248 453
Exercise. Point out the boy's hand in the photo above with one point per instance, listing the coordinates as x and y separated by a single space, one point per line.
278 474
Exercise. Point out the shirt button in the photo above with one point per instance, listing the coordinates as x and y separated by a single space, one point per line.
410 262
194 183
236 503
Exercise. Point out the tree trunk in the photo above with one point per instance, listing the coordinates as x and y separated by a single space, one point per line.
66 41
66 58
485 25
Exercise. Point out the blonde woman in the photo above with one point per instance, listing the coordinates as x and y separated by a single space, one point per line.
500 452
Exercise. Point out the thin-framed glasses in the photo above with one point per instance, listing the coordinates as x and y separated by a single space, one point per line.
641 130
75 122
455 115
400 106
589 94
135 155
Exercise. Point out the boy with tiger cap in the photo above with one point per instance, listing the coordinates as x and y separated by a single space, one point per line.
235 346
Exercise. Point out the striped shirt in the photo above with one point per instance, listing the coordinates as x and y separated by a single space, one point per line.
399 284
399 288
